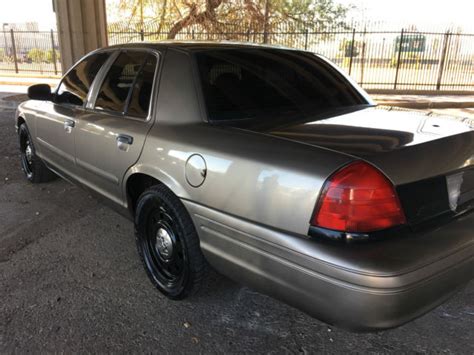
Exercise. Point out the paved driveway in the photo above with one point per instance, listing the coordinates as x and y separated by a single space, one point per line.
70 280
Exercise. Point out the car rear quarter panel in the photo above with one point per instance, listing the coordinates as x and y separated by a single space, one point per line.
259 178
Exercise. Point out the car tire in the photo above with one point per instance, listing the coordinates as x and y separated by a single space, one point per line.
168 244
34 168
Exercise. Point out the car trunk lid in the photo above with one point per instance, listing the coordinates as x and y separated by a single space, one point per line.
407 146
430 159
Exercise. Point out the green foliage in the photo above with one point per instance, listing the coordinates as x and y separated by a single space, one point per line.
346 48
321 14
50 55
36 55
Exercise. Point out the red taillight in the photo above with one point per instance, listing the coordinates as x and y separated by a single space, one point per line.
358 198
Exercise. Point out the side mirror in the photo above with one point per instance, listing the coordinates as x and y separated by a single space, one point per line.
40 92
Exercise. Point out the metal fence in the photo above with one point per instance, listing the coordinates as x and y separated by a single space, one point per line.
29 52
405 59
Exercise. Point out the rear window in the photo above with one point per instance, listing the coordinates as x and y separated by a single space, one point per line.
270 84
128 84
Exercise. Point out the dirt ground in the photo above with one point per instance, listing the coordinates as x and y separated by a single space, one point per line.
71 281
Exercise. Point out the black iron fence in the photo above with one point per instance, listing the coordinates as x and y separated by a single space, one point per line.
404 59
29 52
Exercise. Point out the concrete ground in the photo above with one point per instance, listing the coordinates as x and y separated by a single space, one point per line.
25 81
426 101
71 281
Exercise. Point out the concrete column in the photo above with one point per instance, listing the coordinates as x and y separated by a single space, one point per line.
82 27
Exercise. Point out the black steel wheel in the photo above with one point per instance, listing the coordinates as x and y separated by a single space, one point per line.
33 167
168 243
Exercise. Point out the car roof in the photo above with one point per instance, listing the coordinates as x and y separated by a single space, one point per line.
197 45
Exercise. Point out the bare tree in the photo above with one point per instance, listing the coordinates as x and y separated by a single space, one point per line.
194 16
218 15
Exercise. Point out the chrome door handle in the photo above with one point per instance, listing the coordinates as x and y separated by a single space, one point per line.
69 125
124 141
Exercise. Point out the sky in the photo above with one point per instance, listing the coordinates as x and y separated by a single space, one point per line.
427 14
21 11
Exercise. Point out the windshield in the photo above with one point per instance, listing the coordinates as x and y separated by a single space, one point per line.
262 84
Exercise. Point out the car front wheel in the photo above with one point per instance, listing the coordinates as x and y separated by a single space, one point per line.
168 244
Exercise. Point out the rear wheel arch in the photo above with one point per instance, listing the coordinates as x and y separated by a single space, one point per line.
140 178
136 184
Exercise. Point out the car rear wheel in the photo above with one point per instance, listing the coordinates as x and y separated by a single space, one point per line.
168 244
33 167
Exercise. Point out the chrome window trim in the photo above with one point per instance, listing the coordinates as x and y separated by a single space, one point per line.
100 80
97 51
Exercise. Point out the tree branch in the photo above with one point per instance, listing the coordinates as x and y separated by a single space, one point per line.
195 17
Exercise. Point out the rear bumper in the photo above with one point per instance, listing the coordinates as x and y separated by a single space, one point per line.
361 287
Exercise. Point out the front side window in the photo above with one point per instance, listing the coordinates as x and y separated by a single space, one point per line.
270 85
128 84
76 84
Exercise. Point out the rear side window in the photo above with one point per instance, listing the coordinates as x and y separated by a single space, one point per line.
263 84
128 84
76 84
141 94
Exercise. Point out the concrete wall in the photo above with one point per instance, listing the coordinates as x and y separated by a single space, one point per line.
82 27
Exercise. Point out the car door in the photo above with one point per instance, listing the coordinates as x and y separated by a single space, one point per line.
56 120
110 136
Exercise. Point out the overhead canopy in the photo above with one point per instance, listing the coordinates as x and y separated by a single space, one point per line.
82 27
